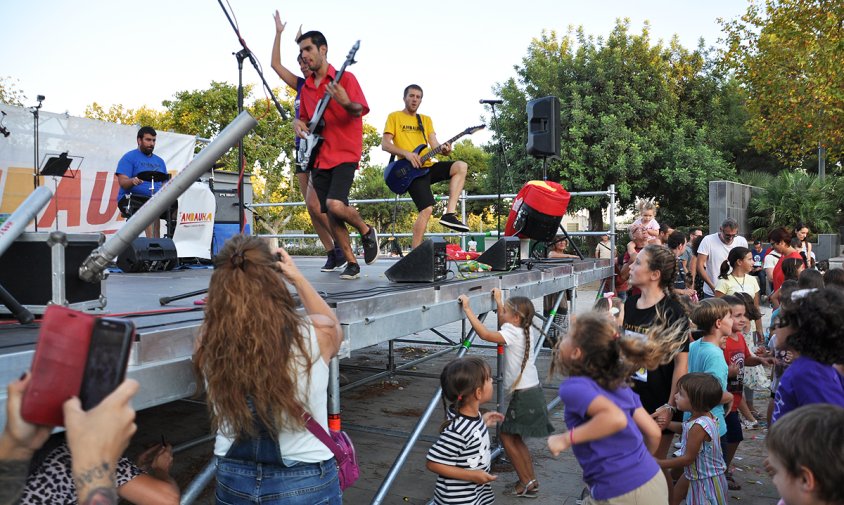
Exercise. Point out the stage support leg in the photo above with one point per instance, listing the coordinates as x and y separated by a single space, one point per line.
549 321
334 394
199 483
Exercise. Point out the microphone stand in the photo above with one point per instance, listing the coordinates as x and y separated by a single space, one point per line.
498 173
242 55
34 109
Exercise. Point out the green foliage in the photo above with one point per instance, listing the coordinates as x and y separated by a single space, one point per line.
794 196
787 54
478 161
649 118
10 92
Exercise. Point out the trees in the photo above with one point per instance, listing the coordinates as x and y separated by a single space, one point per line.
792 196
645 117
10 93
787 53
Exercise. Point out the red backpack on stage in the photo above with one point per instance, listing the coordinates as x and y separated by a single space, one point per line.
537 210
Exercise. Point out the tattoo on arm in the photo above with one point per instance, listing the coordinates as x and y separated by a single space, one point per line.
12 480
100 496
96 485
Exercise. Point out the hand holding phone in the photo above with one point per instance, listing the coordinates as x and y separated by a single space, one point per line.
108 356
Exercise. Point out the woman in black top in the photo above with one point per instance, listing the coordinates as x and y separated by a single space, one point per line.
653 272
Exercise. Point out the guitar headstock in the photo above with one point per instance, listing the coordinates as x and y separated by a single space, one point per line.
473 129
350 59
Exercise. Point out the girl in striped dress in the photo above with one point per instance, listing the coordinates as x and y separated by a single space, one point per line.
701 458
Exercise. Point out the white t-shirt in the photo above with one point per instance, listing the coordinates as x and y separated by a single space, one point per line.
301 445
771 259
717 253
514 354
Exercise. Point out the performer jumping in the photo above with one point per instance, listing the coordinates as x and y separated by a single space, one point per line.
404 131
134 191
335 260
340 151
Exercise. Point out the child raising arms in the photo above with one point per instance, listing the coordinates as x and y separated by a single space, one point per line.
611 434
702 461
461 456
526 414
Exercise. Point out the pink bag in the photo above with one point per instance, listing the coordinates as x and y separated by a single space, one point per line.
343 449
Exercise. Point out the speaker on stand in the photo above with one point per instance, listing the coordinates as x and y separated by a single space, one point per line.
427 262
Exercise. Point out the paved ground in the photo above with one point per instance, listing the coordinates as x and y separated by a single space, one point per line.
374 412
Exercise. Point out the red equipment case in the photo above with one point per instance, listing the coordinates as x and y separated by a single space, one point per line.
537 210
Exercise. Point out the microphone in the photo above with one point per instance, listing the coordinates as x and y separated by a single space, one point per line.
491 102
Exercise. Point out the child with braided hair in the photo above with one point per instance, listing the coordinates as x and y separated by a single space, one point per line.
526 414
461 456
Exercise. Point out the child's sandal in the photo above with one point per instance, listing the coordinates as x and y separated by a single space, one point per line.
529 490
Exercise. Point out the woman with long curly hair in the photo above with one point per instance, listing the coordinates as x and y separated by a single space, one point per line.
653 272
263 366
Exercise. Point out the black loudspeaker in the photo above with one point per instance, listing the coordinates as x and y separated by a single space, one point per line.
148 255
544 127
426 263
227 207
504 255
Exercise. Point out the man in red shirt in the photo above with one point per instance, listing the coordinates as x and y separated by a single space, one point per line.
342 145
780 240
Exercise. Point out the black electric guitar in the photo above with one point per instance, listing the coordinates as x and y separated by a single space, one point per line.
308 146
400 174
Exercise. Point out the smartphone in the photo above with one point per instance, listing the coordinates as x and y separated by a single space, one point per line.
108 356
58 364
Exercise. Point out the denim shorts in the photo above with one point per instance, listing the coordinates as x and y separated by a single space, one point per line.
244 482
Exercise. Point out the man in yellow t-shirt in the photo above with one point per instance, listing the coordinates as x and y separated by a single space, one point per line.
402 134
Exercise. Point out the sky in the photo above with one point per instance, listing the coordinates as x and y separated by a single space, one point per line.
138 53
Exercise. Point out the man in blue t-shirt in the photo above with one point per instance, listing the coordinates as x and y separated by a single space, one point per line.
134 192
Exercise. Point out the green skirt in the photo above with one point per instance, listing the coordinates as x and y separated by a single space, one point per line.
526 415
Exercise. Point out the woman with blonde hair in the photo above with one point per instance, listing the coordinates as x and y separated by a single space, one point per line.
264 366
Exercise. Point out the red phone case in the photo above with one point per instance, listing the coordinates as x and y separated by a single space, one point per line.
58 364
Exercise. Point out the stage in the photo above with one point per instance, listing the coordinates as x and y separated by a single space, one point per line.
371 310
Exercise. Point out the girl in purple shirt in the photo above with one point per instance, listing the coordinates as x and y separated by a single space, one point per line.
611 434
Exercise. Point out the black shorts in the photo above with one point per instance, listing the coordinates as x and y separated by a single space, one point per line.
420 188
734 433
333 183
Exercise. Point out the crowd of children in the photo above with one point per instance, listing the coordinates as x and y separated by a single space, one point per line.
636 374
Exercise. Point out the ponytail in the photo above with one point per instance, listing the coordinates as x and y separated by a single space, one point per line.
725 269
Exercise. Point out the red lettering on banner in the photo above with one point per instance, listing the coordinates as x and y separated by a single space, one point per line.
96 217
68 198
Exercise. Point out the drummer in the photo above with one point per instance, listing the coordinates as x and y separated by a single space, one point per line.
136 182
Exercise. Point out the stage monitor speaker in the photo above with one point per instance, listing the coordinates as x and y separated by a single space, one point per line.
148 255
503 255
544 127
425 263
227 206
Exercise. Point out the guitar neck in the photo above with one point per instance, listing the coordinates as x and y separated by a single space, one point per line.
437 150
323 102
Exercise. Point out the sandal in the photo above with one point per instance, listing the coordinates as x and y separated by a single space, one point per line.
529 490
732 485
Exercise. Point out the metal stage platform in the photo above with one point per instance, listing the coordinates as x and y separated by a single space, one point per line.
371 310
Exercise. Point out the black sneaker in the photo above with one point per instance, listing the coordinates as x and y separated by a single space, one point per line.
370 246
451 221
352 271
330 262
339 259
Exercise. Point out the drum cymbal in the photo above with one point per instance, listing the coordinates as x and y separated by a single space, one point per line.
153 176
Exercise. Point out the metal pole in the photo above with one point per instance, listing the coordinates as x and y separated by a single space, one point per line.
821 162
28 210
92 268
548 322
612 235
199 483
334 394
463 217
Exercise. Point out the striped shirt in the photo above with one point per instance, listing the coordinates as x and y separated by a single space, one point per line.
709 461
464 443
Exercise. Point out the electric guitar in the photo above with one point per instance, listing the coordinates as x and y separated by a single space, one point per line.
400 174
308 146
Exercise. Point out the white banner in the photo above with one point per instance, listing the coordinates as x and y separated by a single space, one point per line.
195 223
84 200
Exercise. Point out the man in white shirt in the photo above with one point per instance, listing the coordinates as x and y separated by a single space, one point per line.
714 250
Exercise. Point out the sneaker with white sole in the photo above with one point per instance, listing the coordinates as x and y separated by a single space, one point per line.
352 271
450 220
370 246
